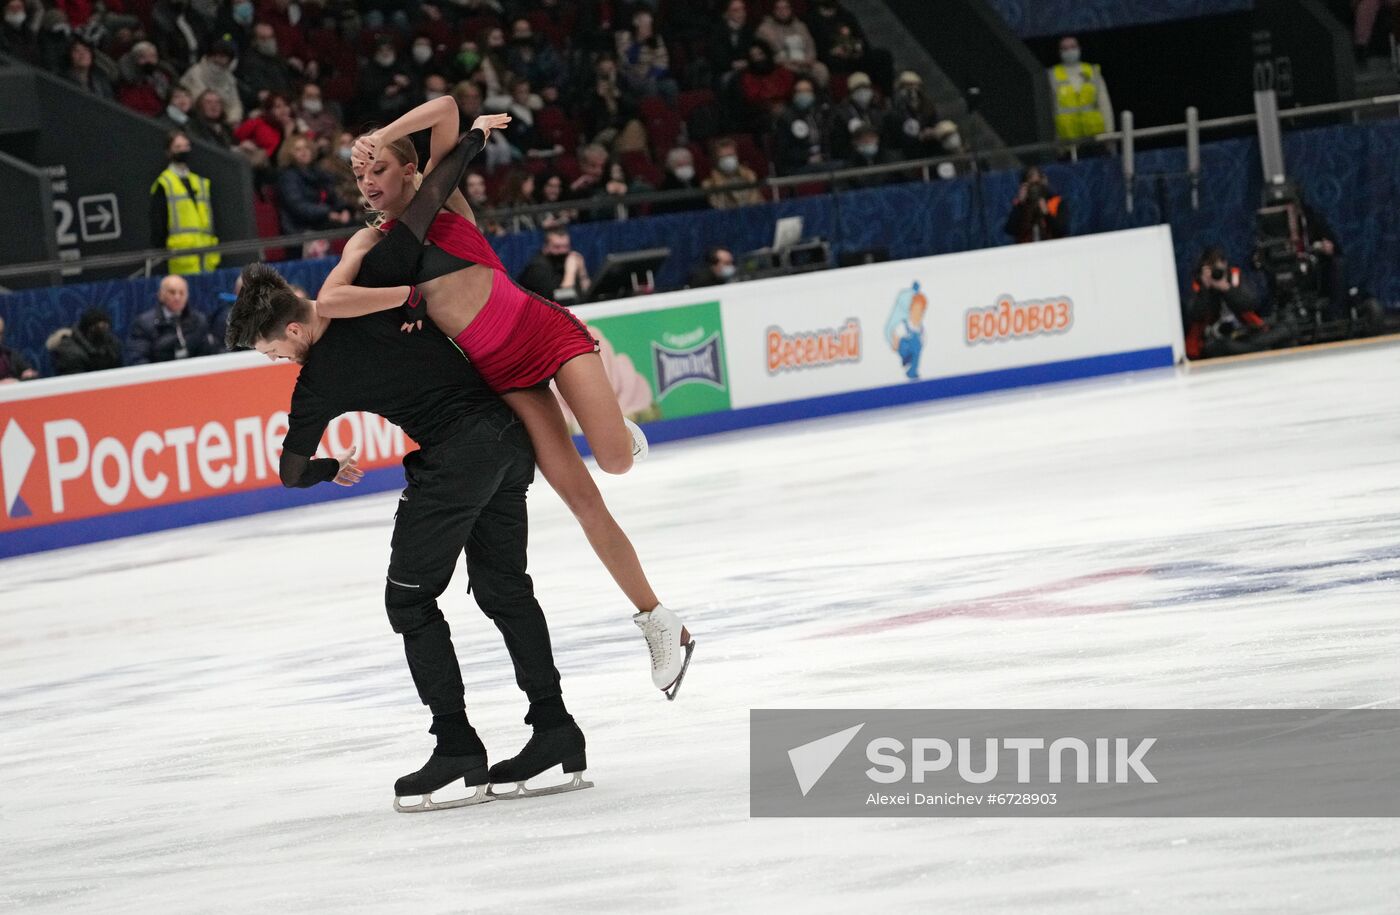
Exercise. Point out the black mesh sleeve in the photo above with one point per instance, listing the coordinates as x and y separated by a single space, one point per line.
439 184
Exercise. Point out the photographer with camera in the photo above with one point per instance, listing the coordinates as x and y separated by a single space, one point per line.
1037 213
1222 318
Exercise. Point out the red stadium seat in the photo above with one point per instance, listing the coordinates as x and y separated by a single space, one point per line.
687 102
268 222
751 155
554 125
654 106
837 87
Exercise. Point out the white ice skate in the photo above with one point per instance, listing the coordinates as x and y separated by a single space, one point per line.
640 448
671 646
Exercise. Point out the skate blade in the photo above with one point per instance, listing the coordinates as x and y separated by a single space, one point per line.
675 686
480 795
578 783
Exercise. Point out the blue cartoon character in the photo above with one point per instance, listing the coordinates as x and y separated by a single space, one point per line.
905 328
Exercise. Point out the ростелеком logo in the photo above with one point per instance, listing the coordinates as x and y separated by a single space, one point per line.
16 455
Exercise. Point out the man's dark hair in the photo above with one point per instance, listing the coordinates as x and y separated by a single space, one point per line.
556 231
264 308
172 136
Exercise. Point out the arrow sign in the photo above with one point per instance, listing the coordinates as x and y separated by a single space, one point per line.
99 218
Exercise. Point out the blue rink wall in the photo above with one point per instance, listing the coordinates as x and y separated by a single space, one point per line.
236 505
694 362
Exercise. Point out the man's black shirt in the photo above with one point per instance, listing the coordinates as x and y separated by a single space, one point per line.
420 382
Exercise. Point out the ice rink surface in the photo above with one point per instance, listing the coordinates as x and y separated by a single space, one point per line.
211 719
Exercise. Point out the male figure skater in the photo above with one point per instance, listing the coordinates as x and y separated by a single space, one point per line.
466 490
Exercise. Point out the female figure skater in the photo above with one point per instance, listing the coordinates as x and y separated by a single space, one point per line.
434 261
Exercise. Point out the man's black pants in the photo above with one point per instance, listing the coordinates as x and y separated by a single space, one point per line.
468 493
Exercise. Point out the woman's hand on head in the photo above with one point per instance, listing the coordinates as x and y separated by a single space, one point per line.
366 147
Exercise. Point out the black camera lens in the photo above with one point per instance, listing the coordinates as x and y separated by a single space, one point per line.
1217 273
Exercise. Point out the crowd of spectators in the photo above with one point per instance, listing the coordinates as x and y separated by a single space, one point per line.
607 96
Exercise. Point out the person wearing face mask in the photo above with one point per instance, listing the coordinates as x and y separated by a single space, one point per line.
215 72
911 125
385 87
178 110
861 106
728 172
423 56
321 120
680 176
263 67
17 39
866 151
143 83
558 272
717 269
181 212
1082 106
801 138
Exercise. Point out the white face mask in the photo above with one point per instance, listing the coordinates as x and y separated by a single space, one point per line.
345 152
175 114
725 272
14 20
267 46
430 95
862 96
1070 56
685 172
728 164
422 53
311 105
385 59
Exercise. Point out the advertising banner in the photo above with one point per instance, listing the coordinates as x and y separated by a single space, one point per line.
952 316
215 429
665 363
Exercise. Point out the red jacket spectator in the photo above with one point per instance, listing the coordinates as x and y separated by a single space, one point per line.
269 127
766 87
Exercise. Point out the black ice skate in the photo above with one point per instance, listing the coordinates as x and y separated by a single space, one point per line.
438 773
558 746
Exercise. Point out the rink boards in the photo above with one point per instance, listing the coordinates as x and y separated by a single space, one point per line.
89 458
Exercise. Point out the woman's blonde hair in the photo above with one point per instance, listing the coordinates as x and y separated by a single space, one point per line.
404 151
284 155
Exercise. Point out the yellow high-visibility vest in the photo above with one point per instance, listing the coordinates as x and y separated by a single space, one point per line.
190 221
1077 112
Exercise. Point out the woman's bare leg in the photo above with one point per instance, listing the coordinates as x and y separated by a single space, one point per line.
564 469
585 388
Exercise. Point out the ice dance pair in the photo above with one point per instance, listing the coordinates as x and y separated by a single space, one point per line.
466 492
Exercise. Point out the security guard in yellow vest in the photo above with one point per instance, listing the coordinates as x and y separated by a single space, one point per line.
181 215
1082 106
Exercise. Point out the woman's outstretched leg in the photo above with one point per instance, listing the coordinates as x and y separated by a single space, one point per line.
668 640
561 465
585 388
